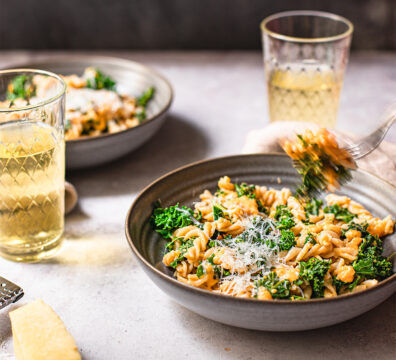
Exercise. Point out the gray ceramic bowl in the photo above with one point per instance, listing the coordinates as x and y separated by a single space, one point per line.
185 184
132 78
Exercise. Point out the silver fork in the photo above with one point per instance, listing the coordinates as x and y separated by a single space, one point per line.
369 143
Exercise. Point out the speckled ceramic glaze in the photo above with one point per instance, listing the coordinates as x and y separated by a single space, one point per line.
133 79
185 184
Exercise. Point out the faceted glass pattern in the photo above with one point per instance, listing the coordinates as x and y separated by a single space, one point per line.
304 74
32 168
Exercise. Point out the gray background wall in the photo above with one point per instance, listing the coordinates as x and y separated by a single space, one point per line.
174 24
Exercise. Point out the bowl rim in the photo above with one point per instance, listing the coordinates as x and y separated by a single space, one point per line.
202 292
54 59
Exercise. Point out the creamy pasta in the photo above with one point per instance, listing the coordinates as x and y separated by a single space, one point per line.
254 242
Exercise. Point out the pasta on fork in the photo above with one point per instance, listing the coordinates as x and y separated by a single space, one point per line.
322 164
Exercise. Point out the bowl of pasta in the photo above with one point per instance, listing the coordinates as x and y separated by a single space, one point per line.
113 105
228 239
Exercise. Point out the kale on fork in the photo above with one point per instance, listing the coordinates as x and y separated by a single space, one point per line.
322 164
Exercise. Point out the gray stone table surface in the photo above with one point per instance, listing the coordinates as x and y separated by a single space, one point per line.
109 305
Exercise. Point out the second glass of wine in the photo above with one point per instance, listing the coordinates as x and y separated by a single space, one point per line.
305 55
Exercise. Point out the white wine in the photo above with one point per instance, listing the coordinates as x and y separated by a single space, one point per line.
31 190
304 92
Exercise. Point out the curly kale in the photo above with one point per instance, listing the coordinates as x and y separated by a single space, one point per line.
341 285
183 248
355 226
310 238
279 289
200 271
261 207
244 189
340 213
313 182
338 284
314 271
218 270
140 114
166 220
219 212
287 240
101 81
370 263
21 87
311 168
284 217
313 206
146 97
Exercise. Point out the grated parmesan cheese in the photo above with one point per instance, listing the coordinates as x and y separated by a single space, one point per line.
256 251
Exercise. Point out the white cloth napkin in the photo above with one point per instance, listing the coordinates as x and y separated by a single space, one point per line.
381 162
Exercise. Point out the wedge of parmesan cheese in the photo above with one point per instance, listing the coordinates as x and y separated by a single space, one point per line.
39 334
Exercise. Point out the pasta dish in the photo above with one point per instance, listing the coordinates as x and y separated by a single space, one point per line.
93 105
253 242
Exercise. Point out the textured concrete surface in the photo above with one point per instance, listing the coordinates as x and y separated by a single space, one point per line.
112 309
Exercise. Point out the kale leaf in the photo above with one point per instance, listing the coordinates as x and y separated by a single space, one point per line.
370 263
183 248
340 213
200 271
287 240
310 238
311 169
261 207
141 115
355 226
244 189
21 87
279 289
68 124
101 81
313 207
340 285
284 217
166 220
211 259
146 97
302 140
314 271
218 212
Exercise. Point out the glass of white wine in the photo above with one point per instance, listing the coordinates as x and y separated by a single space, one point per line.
32 164
305 55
